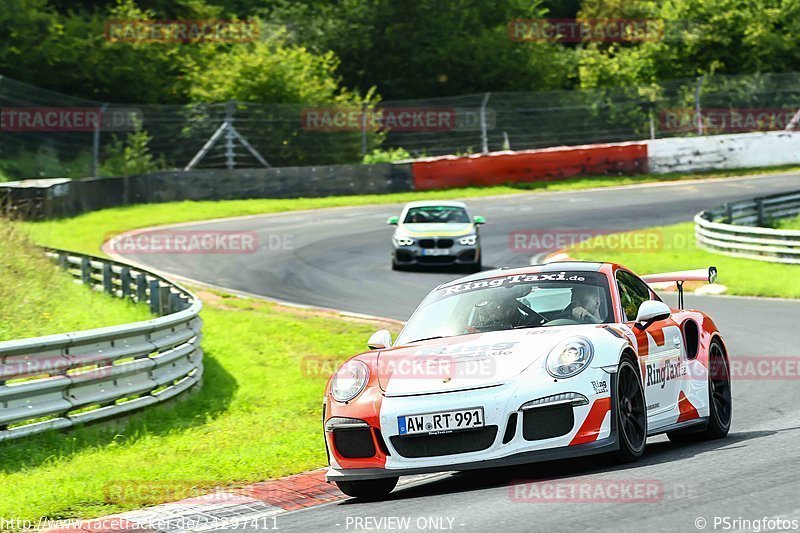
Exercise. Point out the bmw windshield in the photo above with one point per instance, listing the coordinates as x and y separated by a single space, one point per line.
511 302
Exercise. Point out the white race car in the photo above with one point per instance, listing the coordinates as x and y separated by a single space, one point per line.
529 364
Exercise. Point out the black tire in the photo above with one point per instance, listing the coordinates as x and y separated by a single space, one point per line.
630 412
370 489
720 403
396 267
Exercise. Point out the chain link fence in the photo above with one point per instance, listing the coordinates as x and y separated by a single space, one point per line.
249 135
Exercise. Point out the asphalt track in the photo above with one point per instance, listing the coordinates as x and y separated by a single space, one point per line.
340 259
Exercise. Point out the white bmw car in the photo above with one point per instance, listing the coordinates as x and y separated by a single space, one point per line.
436 233
529 364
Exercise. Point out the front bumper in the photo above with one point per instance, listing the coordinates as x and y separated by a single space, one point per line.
592 429
457 254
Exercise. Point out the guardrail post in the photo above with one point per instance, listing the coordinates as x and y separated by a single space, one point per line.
108 281
174 302
155 297
760 212
728 213
125 281
86 271
141 288
63 261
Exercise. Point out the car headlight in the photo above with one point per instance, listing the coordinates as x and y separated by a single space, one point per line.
349 381
404 241
569 357
469 240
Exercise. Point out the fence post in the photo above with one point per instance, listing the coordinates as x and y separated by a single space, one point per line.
230 154
155 297
96 142
728 212
125 281
86 271
108 282
760 212
363 130
141 288
484 132
697 108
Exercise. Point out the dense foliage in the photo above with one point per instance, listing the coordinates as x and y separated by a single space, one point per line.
334 51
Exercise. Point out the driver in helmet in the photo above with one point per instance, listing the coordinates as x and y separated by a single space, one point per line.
501 311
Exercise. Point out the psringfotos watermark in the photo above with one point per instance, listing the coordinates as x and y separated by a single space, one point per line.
732 120
181 31
406 119
74 119
196 242
757 525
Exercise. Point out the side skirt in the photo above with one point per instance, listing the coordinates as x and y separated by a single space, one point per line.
699 422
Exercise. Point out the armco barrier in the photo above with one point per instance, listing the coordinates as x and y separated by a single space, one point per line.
737 229
59 381
529 166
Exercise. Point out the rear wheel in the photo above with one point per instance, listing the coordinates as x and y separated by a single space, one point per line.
630 413
720 401
370 489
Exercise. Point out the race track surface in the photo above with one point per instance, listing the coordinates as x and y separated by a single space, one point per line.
340 259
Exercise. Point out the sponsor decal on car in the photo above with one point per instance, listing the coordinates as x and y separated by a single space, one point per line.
658 374
508 280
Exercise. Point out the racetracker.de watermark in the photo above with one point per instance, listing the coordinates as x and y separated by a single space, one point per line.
76 119
596 240
406 119
583 30
181 31
589 490
443 368
195 242
730 120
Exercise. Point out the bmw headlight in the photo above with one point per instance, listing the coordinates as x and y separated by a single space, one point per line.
349 381
569 357
404 241
469 240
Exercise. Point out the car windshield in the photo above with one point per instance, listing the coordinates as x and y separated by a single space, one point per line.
436 213
511 302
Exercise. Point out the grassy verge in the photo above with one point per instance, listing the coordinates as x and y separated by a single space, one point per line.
257 416
86 233
37 299
788 223
743 277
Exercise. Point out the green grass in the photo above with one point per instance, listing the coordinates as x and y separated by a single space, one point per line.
787 223
257 416
743 277
87 232
38 299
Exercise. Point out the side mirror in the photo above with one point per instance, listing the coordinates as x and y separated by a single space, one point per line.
380 340
479 220
393 221
652 311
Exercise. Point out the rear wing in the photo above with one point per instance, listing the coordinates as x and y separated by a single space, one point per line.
704 275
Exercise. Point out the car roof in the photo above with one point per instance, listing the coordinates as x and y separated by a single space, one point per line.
435 203
555 266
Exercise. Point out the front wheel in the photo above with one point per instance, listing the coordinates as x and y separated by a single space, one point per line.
370 489
630 413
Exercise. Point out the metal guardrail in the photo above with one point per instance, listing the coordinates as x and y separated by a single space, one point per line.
59 381
737 229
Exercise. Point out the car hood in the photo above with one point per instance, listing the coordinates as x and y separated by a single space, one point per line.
467 361
451 229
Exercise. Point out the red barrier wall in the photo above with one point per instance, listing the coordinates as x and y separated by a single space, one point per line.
549 164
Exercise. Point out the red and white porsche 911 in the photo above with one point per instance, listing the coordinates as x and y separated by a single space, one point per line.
520 365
